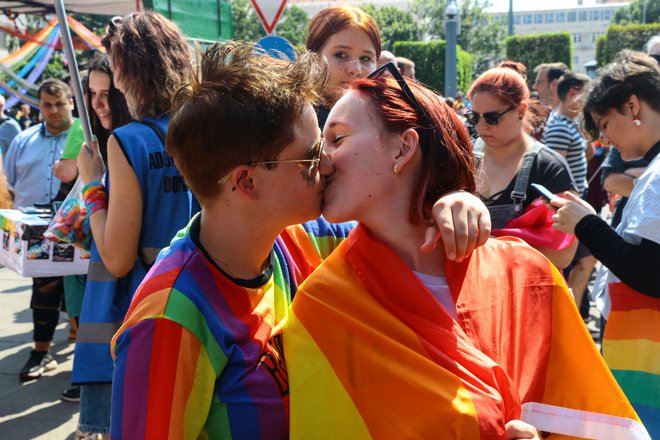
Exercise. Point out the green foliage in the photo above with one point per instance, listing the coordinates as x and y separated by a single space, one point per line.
429 58
482 37
633 13
601 51
532 50
394 24
632 37
95 23
293 25
246 24
54 69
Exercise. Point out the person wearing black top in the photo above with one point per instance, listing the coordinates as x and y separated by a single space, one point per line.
623 106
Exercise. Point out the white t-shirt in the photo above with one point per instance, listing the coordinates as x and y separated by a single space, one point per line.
440 289
640 219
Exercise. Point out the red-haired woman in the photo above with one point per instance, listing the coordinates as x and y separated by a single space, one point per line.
348 40
387 341
508 160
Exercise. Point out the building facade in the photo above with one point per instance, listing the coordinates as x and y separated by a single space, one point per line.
585 23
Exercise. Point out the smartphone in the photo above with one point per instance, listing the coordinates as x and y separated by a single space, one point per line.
545 192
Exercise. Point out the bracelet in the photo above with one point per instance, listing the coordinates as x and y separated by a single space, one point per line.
95 197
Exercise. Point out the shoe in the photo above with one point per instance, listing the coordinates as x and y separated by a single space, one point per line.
80 435
38 364
71 394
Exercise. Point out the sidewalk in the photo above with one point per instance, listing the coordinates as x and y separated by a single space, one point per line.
31 410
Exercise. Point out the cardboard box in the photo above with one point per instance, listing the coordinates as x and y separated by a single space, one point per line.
25 251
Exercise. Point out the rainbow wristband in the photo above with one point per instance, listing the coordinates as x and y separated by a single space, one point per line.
95 197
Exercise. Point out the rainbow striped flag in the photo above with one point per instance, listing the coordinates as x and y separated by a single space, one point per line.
372 354
631 347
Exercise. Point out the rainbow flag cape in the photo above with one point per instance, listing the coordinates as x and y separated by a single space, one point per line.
366 358
535 227
372 354
631 346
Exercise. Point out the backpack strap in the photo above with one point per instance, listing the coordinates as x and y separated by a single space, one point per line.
519 193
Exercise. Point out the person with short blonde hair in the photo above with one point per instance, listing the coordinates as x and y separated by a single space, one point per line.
406 67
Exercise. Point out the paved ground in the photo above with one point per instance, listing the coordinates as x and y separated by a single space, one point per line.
32 410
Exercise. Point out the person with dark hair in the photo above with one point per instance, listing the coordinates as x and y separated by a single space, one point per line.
545 83
348 40
388 341
563 136
200 352
508 161
623 107
138 205
109 112
29 170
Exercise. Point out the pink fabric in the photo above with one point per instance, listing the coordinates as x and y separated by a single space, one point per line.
535 227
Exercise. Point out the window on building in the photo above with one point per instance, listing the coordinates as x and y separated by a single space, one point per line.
527 19
517 19
576 60
583 15
538 18
572 16
594 36
561 17
606 14
549 17
594 15
577 38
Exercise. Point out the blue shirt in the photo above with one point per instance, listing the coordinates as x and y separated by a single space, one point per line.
8 131
29 165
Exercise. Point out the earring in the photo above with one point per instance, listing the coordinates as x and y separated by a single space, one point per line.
396 169
637 121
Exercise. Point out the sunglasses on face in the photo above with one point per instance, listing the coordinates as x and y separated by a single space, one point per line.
312 164
491 118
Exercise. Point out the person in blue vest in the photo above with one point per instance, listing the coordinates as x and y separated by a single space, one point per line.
139 206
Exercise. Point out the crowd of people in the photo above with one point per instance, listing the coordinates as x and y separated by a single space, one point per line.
327 248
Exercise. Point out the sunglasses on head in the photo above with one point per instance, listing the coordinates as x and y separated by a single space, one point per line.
405 88
491 118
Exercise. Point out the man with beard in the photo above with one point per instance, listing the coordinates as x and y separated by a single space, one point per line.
29 170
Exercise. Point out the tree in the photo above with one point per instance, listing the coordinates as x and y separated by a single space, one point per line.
293 25
246 24
632 14
481 36
394 24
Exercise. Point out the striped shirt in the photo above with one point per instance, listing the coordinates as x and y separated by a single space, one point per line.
562 135
200 353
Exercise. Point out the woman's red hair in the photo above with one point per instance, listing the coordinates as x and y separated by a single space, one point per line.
504 83
331 20
447 162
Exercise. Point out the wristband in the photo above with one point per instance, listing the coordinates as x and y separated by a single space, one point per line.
95 197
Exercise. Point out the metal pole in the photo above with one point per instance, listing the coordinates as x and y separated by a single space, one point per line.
451 30
644 13
67 44
510 18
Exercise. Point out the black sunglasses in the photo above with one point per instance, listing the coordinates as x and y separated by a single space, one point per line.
407 92
491 118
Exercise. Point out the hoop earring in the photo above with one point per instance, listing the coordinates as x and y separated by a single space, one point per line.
396 170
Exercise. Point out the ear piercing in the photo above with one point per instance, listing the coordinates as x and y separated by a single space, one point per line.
637 121
396 169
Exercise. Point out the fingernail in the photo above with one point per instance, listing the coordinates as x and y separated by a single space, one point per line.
452 256
94 139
